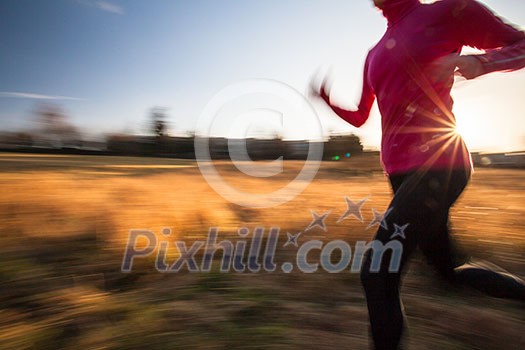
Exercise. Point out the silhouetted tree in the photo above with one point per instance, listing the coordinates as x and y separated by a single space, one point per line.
158 121
54 129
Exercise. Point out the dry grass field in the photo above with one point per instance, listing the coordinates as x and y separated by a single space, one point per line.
63 230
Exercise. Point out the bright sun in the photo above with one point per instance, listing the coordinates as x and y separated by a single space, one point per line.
470 125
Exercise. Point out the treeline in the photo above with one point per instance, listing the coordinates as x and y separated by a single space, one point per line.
53 132
336 148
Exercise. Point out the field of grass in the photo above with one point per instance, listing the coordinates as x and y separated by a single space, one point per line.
65 221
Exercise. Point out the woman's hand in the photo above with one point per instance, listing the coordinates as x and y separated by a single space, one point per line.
469 67
358 115
322 92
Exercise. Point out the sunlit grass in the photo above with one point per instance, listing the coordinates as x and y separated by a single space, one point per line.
63 231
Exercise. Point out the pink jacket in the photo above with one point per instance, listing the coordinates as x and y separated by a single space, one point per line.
417 121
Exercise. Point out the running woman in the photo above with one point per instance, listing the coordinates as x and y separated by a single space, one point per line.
411 72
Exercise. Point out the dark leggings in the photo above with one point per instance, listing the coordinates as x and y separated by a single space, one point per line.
423 200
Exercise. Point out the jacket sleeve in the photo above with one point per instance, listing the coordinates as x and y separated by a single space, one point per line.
479 27
360 116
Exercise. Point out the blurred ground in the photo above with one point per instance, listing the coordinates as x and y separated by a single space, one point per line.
65 220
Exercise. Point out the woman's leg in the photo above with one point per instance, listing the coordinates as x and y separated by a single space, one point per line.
419 217
439 249
382 288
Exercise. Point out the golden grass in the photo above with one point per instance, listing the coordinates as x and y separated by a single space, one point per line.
65 220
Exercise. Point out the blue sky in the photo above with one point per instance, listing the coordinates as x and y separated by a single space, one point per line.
108 62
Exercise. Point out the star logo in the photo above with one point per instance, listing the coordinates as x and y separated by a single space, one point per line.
292 239
399 231
318 220
353 209
379 218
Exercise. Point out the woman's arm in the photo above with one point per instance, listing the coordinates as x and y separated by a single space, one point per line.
479 27
510 57
360 116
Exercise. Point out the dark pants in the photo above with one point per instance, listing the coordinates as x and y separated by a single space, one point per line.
423 200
